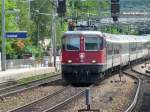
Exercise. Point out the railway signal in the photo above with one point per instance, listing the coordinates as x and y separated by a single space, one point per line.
115 9
61 9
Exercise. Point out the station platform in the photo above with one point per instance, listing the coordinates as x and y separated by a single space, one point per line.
16 74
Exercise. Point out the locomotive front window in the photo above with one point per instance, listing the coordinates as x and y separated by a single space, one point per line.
92 43
73 43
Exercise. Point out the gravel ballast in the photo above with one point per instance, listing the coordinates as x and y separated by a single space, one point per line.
20 99
110 96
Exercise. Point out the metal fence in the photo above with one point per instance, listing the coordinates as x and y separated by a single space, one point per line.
29 63
23 63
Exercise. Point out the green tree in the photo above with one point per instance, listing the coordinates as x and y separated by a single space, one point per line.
24 21
42 21
10 25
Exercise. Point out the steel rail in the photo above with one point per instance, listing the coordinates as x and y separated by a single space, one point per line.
23 87
139 72
18 109
67 101
54 107
145 93
31 82
6 84
133 104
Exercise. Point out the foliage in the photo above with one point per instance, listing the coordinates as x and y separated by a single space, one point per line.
42 21
23 18
39 26
87 7
18 21
61 28
38 23
10 25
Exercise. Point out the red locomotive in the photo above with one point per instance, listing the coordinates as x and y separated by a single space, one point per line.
86 55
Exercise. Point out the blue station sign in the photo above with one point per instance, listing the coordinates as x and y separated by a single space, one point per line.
20 34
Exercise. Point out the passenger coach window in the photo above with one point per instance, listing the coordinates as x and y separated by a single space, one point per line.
92 43
72 43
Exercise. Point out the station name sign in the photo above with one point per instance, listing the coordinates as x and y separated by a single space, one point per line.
20 34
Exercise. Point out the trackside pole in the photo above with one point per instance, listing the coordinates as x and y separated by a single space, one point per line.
88 98
88 102
120 73
120 67
3 60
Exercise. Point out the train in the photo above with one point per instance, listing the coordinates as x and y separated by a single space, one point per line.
88 55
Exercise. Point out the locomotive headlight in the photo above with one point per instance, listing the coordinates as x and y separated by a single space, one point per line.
93 61
69 61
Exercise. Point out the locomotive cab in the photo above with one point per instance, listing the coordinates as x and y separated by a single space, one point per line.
83 56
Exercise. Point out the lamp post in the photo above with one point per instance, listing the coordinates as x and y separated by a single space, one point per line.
3 60
3 63
29 9
54 36
29 2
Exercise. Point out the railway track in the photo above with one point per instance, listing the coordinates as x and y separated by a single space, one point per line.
141 102
7 84
52 102
17 88
61 98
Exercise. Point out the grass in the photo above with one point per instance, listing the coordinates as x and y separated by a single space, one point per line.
33 78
